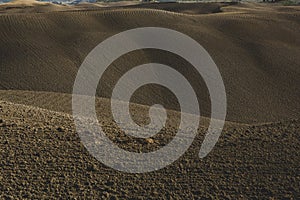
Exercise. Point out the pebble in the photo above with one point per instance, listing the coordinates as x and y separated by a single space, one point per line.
149 141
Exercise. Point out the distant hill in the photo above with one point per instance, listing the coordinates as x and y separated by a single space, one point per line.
256 48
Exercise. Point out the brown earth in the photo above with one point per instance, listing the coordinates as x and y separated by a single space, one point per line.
42 157
256 51
256 48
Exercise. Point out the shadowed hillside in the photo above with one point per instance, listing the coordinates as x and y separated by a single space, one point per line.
256 51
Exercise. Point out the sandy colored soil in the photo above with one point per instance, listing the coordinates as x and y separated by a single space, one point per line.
255 46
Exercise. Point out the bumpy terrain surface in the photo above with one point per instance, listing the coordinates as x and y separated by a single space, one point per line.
256 48
42 156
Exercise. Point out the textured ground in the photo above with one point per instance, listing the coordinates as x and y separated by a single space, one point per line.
255 46
41 156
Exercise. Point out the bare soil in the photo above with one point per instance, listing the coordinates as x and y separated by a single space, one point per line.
256 48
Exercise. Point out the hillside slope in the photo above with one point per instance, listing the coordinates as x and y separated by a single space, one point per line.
256 50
